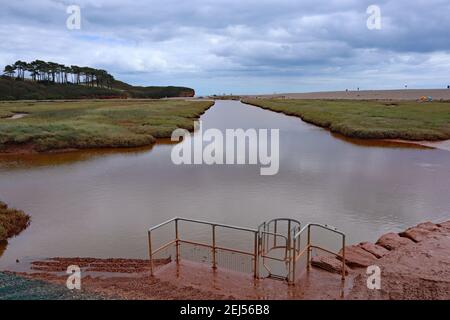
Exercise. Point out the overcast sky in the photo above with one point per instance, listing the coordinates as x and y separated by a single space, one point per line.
242 46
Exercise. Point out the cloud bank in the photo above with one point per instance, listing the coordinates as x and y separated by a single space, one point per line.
239 46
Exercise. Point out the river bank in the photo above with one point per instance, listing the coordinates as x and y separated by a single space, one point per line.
12 222
396 121
72 125
414 264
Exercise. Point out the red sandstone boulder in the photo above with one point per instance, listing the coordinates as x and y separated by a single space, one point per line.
376 250
356 257
328 263
393 241
416 234
429 226
445 225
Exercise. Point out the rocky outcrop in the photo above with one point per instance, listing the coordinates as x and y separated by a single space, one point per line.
418 269
429 226
445 225
188 93
356 257
392 241
422 231
366 254
376 250
416 234
414 264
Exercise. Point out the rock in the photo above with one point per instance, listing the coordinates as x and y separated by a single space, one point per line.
445 225
376 250
356 257
429 226
416 234
393 241
328 263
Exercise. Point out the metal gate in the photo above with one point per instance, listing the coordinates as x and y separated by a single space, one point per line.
276 247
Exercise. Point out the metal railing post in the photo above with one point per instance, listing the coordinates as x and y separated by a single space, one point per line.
255 257
263 241
275 231
308 251
214 246
343 257
177 243
289 238
294 258
150 253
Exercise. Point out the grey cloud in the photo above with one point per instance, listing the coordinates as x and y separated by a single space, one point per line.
226 42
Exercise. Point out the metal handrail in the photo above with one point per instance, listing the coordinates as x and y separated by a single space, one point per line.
292 243
310 246
229 226
212 246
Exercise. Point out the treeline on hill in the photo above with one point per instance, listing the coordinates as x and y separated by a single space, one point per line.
40 80
53 72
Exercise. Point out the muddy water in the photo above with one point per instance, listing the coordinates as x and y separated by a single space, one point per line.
100 203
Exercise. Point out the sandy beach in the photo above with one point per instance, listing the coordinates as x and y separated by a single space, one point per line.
402 94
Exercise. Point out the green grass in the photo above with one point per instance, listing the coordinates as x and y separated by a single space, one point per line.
12 222
94 123
407 120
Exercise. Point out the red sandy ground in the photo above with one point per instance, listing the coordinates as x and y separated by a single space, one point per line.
416 266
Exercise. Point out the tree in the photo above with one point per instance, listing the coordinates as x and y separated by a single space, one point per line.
39 70
9 71
21 67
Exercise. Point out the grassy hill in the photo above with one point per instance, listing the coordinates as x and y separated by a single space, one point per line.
153 92
12 89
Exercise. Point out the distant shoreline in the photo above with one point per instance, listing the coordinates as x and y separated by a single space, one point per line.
399 94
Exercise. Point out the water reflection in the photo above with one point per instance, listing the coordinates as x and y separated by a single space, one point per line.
3 245
11 161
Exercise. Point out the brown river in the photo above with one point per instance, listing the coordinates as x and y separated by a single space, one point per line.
100 203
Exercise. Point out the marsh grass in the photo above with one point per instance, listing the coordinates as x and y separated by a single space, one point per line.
12 222
408 120
94 123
